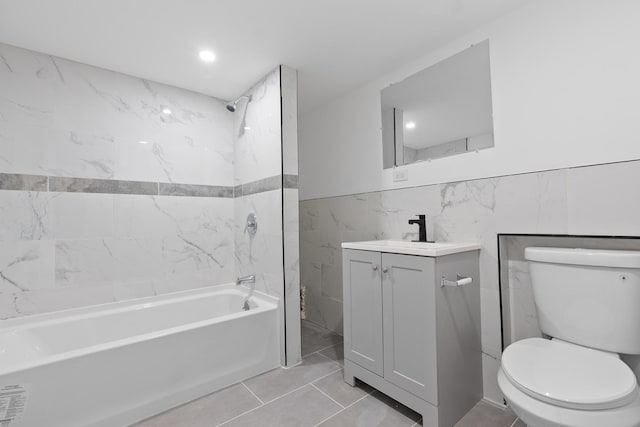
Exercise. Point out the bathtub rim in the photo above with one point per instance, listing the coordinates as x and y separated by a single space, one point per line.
266 303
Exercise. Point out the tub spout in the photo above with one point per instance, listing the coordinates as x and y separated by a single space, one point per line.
251 279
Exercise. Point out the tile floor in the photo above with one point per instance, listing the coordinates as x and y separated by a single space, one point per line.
310 394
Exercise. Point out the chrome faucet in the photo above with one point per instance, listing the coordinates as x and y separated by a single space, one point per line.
247 279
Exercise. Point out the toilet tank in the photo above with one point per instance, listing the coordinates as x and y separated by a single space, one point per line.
587 296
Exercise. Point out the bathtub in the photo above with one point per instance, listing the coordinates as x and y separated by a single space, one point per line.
118 363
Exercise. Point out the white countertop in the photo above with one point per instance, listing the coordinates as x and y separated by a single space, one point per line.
412 248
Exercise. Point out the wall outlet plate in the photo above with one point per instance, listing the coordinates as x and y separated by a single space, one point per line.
400 174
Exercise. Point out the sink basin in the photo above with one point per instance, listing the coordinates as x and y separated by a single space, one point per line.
412 248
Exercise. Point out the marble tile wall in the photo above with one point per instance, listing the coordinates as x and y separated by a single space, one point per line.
595 200
104 197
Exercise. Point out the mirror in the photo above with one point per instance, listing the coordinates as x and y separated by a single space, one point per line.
441 111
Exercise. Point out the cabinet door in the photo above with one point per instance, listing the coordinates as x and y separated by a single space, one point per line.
362 289
409 319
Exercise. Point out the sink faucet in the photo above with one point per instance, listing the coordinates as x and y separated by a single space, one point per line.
247 279
422 232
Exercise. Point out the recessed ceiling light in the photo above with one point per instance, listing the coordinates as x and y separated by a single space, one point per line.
247 128
207 56
410 125
143 142
166 110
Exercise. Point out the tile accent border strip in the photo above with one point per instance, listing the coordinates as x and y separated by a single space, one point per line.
274 182
290 181
193 190
10 181
24 182
109 186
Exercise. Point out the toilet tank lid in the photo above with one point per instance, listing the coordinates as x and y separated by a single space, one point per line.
578 256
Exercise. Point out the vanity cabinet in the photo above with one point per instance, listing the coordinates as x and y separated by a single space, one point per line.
408 336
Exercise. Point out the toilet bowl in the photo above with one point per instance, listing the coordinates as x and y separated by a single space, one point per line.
589 302
557 384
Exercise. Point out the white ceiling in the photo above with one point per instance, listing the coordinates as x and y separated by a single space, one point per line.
336 45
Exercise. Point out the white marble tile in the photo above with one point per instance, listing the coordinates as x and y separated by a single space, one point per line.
197 251
133 288
262 253
84 263
138 216
258 143
467 211
26 265
309 215
346 213
532 203
181 281
83 216
290 210
331 281
25 215
289 82
605 199
23 147
136 259
80 154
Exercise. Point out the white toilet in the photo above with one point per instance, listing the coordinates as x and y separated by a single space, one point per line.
588 301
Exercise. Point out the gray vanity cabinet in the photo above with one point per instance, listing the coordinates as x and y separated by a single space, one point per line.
409 337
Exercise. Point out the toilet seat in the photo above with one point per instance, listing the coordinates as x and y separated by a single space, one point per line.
569 375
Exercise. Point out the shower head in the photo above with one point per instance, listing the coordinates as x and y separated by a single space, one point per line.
231 106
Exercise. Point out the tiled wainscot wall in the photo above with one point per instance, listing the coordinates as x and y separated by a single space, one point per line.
595 200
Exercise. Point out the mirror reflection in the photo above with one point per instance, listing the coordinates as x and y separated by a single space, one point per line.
441 111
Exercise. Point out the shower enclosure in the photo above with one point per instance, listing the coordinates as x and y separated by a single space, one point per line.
114 188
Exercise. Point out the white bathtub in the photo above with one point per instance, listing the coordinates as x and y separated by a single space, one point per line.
114 364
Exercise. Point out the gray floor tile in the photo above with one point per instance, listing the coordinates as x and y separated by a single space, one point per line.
375 410
519 423
315 338
304 407
486 415
336 353
207 411
273 384
340 391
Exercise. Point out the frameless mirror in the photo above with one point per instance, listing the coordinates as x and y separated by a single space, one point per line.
441 111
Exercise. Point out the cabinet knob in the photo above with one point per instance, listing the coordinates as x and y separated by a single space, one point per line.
374 267
385 269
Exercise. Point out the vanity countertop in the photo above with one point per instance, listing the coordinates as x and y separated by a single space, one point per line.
412 248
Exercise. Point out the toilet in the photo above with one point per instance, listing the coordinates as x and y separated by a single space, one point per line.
588 303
